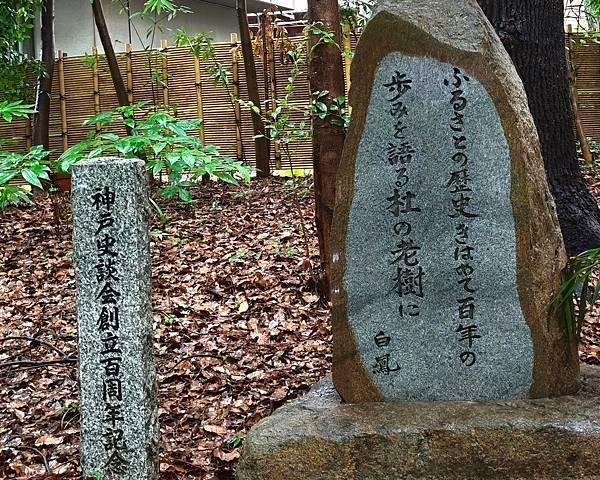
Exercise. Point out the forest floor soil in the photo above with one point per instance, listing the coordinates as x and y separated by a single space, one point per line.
239 327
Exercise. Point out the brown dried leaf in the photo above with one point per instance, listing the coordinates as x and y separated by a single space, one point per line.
226 456
48 440
215 429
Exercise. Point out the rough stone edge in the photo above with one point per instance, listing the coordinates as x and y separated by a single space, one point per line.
316 431
554 375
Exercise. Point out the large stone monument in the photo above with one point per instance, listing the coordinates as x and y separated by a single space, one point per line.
446 252
447 248
119 421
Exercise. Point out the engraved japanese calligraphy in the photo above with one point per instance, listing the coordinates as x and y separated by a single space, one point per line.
430 249
119 430
103 200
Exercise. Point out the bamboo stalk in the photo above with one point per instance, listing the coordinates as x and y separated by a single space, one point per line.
129 66
63 100
236 94
265 59
273 88
96 82
28 132
199 104
588 158
347 61
164 47
347 57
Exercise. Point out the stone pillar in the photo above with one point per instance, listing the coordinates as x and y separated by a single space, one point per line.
119 421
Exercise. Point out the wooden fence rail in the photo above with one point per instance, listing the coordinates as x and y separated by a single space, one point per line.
83 88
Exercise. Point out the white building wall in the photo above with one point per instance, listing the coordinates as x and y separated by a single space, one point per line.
75 32
575 15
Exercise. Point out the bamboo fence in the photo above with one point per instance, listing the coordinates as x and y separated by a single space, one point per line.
81 90
586 61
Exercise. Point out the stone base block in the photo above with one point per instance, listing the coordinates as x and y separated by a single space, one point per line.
319 438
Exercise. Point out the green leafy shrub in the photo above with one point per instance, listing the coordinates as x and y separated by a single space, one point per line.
578 288
164 142
33 166
18 108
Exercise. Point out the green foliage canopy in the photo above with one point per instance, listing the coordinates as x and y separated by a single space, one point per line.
16 22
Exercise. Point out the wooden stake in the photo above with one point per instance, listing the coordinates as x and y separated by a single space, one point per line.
128 56
63 100
273 89
96 82
261 143
199 104
164 46
236 95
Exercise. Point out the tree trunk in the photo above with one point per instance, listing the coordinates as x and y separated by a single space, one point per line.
41 119
260 140
533 33
326 73
109 51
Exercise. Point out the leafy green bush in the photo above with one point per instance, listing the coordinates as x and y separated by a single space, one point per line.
164 142
33 166
12 195
578 288
17 71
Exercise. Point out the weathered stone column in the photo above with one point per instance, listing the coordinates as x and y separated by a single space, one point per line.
119 422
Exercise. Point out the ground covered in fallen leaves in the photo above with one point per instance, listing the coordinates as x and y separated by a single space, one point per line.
239 328
590 344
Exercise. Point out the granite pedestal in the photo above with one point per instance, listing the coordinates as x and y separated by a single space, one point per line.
319 438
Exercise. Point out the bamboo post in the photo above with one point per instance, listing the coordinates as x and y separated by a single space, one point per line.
264 25
96 82
164 47
199 104
236 95
63 100
28 132
273 88
347 56
129 66
347 61
265 56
